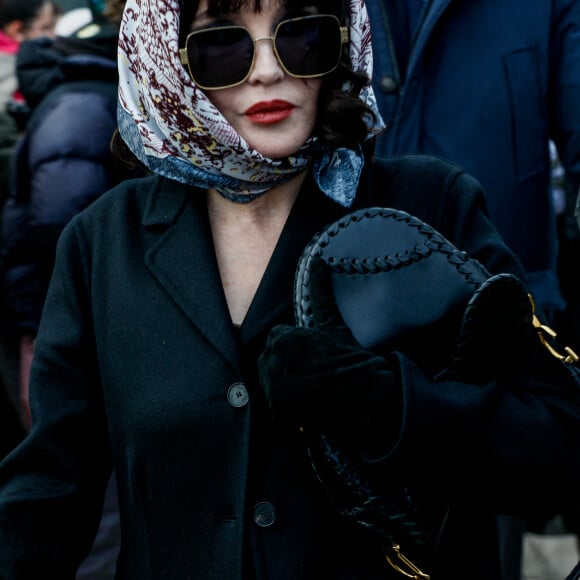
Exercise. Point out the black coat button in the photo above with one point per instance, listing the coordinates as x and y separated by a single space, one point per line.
237 395
264 514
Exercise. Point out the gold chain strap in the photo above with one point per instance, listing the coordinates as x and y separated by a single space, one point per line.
395 558
399 562
545 333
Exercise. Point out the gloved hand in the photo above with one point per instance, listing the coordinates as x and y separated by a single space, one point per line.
321 376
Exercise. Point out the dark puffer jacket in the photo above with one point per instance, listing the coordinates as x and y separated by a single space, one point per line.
62 164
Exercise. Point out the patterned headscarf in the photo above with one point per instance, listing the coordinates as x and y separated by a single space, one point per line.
173 128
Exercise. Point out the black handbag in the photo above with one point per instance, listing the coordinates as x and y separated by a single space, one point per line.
400 285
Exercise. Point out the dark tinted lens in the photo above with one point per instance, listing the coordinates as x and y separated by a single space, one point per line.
309 46
219 56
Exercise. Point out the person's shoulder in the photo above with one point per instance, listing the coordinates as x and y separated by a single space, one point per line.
91 95
127 196
122 204
140 201
70 111
416 167
122 215
421 179
424 185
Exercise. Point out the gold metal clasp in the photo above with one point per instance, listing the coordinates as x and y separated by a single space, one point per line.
544 332
399 562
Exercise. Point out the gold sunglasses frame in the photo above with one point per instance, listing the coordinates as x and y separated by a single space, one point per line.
344 38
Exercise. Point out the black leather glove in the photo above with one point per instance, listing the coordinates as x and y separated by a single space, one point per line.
321 376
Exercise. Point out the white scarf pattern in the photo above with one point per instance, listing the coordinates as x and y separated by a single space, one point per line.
173 128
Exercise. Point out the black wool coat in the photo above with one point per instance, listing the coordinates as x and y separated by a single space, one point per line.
139 368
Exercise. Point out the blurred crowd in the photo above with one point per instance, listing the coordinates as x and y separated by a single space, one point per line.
58 98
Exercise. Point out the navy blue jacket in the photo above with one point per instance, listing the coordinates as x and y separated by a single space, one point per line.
135 361
62 164
485 83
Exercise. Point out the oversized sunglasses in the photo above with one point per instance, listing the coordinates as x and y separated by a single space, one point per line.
222 56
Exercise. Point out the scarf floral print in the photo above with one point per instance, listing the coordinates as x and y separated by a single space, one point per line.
173 128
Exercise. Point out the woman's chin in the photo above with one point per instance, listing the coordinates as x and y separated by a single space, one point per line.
276 150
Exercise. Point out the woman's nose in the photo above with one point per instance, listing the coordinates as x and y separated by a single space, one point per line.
266 67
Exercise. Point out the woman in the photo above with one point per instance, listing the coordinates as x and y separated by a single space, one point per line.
165 290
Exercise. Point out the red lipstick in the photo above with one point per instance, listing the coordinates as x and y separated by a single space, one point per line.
269 112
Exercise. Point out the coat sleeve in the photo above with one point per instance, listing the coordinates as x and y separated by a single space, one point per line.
512 443
52 485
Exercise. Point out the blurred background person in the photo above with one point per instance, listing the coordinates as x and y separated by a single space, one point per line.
487 85
70 84
60 166
19 20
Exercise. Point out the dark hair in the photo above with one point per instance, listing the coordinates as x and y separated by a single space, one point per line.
123 154
23 10
343 118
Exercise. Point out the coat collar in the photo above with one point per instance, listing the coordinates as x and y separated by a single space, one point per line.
310 213
181 256
165 201
433 12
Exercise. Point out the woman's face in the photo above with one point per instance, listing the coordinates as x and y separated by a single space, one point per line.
274 112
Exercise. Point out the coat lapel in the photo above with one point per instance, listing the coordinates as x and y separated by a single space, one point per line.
182 259
274 297
433 12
